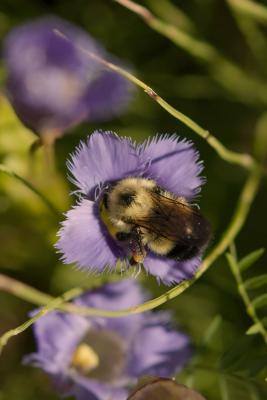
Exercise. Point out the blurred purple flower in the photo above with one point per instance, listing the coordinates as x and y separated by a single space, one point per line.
52 84
105 158
95 358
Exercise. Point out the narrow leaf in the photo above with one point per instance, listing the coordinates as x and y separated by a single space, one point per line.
250 259
256 282
260 301
253 330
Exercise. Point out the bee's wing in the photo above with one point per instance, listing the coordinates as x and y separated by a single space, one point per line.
169 218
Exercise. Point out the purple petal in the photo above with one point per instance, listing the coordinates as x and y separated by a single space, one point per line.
48 75
174 165
158 349
83 239
152 346
115 296
105 157
88 389
52 84
57 336
171 271
107 96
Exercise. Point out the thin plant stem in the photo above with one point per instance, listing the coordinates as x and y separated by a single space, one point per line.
48 139
172 13
233 263
242 159
197 48
32 156
251 9
243 206
226 73
4 169
54 303
253 35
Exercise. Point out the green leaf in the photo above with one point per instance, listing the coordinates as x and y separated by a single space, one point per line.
260 301
253 330
236 352
256 282
250 259
211 330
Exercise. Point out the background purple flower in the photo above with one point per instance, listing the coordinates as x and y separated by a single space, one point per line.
105 158
52 85
126 348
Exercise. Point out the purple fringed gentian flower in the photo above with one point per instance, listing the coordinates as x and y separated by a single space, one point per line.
95 358
106 158
52 84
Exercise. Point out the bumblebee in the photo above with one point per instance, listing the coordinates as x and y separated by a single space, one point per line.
143 216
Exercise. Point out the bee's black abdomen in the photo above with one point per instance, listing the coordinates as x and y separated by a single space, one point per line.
195 243
182 253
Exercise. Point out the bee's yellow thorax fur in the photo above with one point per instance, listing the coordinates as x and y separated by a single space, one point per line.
106 220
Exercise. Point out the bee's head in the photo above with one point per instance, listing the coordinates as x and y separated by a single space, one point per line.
128 197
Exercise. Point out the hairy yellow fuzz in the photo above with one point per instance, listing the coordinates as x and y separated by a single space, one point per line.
106 220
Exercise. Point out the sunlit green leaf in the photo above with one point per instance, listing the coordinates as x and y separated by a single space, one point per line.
250 259
253 330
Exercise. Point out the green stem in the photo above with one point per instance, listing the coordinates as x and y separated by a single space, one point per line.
47 202
48 139
195 47
253 35
251 9
244 160
243 206
227 74
244 295
54 303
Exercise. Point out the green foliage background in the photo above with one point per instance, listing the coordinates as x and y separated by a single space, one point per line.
228 364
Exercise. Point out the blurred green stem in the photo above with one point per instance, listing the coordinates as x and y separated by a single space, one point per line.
253 35
4 169
226 73
48 139
54 303
251 9
171 13
244 160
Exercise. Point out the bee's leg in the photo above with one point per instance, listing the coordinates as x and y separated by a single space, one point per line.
137 247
